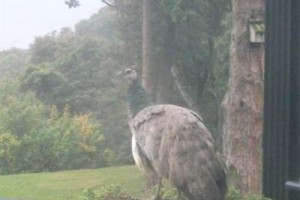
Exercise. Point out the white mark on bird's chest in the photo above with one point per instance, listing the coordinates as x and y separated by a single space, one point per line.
135 153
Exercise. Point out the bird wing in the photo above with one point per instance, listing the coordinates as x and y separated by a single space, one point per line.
193 161
148 129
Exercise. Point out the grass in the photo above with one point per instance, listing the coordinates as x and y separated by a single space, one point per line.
67 185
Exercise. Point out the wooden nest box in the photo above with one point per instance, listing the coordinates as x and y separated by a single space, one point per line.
257 31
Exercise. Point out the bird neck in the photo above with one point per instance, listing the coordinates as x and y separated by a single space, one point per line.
137 98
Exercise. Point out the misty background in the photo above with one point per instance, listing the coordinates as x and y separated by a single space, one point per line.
21 21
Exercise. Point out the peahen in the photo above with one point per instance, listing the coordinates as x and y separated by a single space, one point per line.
172 142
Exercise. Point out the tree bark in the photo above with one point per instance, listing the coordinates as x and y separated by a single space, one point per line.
158 40
188 99
166 90
243 103
148 74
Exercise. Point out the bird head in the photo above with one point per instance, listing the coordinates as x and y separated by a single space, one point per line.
128 74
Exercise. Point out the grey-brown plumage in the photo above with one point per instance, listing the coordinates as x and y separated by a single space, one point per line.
171 141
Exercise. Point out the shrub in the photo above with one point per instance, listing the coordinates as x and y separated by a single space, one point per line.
34 138
110 192
77 140
9 145
234 194
169 193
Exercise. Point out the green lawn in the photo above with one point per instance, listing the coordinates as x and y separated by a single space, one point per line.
67 185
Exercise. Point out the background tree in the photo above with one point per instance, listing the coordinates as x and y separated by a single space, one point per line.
13 60
243 103
158 47
34 137
201 59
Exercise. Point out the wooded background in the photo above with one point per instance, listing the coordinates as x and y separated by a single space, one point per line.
62 108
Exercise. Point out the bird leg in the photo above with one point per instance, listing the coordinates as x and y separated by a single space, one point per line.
157 194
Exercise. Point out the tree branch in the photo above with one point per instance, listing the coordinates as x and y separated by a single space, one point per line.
108 3
72 3
187 98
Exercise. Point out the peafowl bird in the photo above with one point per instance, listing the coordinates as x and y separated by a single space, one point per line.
172 142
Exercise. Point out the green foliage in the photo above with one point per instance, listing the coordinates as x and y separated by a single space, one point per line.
35 138
9 145
76 140
130 31
64 142
257 197
99 25
109 156
177 9
43 49
48 84
169 193
110 192
87 194
79 71
202 52
234 194
13 60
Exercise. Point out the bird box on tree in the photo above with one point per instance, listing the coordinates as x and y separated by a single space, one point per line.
257 31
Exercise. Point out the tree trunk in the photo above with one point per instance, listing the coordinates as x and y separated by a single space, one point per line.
166 90
148 74
158 40
243 103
